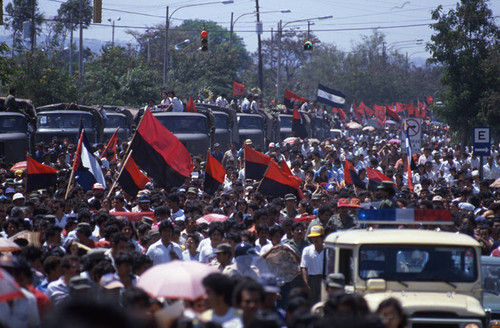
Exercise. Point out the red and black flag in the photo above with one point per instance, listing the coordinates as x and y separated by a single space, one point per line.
340 112
111 145
190 107
368 111
158 152
293 99
392 114
214 175
255 163
351 176
375 178
298 126
380 113
238 89
39 176
131 179
278 183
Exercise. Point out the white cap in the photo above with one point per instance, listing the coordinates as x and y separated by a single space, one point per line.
17 195
475 173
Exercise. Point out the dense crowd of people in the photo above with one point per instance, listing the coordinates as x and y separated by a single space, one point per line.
78 262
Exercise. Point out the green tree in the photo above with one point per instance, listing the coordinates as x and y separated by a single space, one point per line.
463 43
19 12
6 66
43 83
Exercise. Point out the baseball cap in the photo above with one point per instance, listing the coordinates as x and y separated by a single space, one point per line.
316 231
343 202
17 196
147 220
248 142
10 190
437 198
111 281
269 283
97 185
335 280
223 248
355 202
290 197
244 248
466 206
144 199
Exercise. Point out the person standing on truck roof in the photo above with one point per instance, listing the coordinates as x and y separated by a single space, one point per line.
221 101
10 102
175 104
245 105
254 106
165 101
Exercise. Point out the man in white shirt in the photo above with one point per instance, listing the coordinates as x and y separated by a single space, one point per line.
221 101
175 104
164 250
245 105
311 263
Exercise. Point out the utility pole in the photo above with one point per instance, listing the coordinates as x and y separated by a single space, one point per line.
261 77
33 29
231 32
278 78
165 59
80 58
71 45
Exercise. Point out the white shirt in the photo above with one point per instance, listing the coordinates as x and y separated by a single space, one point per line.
222 102
176 105
207 254
312 260
161 254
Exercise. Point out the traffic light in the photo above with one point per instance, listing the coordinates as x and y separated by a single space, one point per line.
308 46
97 11
204 40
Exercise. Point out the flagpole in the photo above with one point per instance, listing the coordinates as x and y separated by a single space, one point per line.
106 148
26 175
135 133
264 176
119 174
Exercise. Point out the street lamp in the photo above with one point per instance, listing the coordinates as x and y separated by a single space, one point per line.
281 26
167 25
113 33
231 29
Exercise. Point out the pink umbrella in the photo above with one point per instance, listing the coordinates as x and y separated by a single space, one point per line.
395 141
9 289
213 217
19 166
176 280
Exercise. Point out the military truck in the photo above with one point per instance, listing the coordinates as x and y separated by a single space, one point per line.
436 275
121 117
63 122
194 130
261 128
17 130
226 129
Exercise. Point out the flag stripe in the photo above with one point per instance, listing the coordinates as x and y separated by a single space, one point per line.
148 158
277 183
330 97
255 164
128 184
210 185
165 143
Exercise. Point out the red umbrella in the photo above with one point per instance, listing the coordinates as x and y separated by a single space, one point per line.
305 218
19 166
176 280
213 217
9 289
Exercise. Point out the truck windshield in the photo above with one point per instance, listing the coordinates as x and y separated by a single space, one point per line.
220 121
12 124
115 121
418 263
250 122
184 124
286 121
491 277
63 120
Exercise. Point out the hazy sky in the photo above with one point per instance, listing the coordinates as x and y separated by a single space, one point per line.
401 21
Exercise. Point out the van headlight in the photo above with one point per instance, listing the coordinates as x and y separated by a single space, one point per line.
494 324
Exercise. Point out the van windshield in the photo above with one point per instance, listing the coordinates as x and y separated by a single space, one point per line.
12 124
220 121
249 122
418 263
183 124
114 121
63 120
286 121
